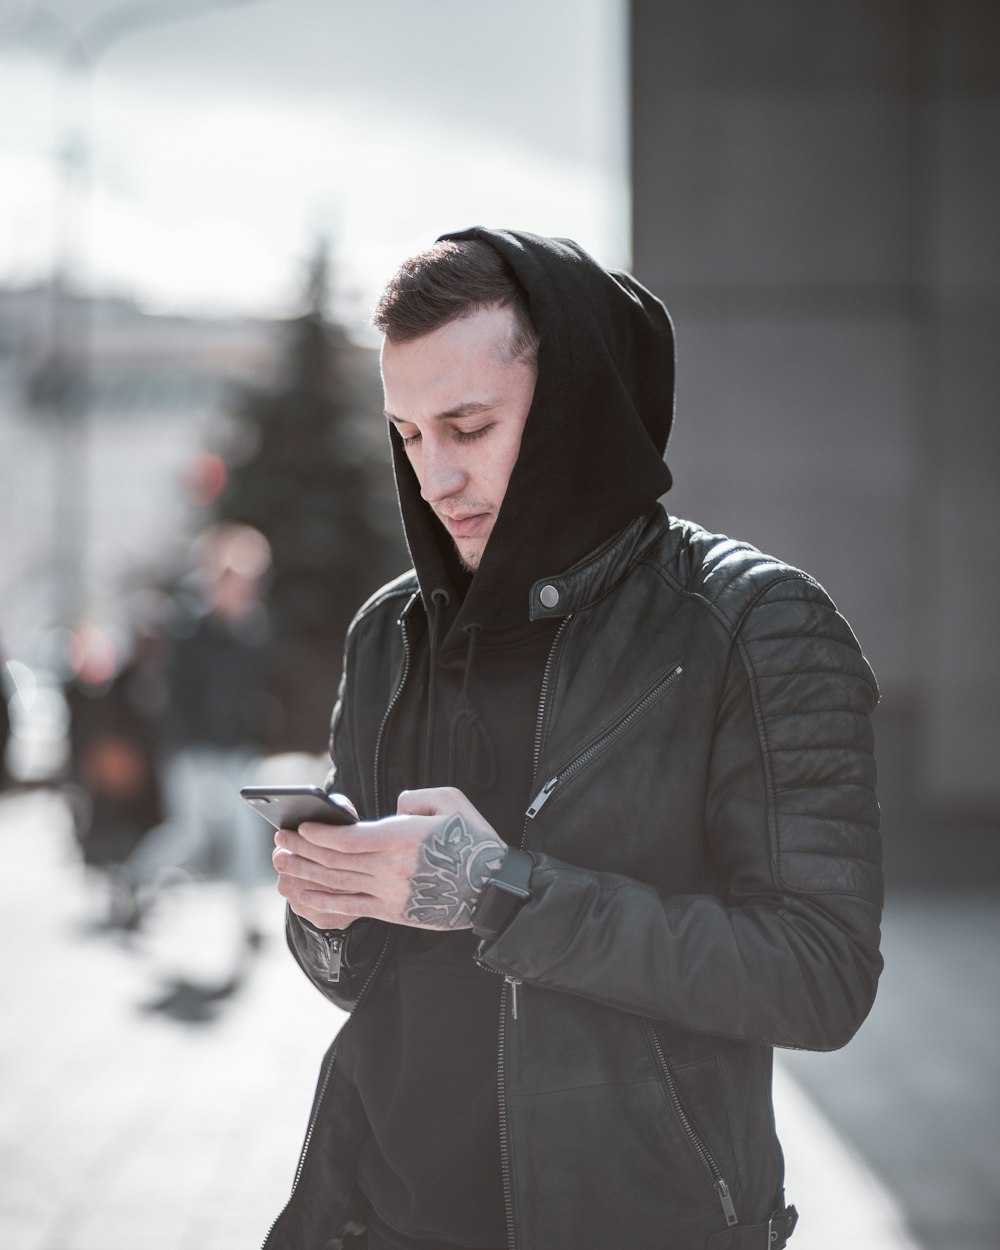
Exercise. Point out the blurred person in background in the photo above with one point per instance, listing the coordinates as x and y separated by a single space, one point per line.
214 681
116 711
619 832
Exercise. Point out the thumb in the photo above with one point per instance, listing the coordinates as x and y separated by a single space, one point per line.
345 801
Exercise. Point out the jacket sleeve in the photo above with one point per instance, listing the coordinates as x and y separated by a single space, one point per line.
340 962
786 953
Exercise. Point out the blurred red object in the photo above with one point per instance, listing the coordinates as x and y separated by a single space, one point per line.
206 478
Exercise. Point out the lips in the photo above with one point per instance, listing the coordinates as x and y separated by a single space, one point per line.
465 526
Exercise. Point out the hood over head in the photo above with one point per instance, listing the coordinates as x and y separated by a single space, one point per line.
591 457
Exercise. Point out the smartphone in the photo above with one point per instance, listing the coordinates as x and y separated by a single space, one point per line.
287 807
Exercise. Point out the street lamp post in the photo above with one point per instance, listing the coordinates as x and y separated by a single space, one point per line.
64 385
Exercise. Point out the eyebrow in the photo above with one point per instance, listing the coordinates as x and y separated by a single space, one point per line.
472 409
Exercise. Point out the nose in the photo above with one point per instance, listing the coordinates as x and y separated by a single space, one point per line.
441 473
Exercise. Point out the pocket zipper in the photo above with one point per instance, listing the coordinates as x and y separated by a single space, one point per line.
719 1183
582 760
335 953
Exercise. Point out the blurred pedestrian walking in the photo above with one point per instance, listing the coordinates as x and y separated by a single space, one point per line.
116 706
215 707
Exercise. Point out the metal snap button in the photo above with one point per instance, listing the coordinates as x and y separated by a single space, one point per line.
549 596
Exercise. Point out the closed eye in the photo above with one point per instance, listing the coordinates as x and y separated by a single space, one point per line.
470 436
460 436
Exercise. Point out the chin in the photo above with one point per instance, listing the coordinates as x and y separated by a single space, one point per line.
469 560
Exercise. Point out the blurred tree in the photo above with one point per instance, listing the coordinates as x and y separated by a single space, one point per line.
308 466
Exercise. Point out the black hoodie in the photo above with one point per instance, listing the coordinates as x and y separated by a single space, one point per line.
591 461
591 456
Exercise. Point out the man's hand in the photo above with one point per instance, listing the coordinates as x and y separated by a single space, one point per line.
425 867
323 913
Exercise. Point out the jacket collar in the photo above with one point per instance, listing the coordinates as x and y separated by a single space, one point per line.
590 578
597 573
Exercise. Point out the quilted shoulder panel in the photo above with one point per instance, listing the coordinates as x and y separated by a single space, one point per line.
728 575
813 693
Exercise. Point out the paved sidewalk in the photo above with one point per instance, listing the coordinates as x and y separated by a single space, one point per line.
132 1118
918 1089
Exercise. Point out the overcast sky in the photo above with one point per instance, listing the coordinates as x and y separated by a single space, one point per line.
223 144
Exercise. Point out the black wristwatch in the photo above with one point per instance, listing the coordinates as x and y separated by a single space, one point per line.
504 894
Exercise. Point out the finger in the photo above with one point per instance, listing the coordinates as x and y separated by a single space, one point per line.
431 801
322 917
328 877
291 865
367 837
305 894
342 798
348 906
325 920
347 838
325 844
295 841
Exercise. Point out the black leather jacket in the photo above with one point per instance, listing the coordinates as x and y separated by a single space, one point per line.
706 887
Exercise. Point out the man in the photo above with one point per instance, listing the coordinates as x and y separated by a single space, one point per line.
619 832
213 671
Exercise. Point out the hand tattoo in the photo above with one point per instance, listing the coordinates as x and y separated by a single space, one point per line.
455 864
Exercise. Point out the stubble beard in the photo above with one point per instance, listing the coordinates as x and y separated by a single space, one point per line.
470 564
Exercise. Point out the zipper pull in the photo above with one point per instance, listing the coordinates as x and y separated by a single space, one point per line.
514 983
335 954
728 1210
541 798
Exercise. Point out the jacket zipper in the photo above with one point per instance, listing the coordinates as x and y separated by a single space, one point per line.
336 938
502 1105
701 1149
305 1146
379 804
321 1097
511 984
582 760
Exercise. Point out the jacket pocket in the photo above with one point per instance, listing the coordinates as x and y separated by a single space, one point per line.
573 768
690 1092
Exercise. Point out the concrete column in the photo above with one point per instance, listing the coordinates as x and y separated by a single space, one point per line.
816 194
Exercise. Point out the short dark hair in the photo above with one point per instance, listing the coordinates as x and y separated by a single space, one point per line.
450 280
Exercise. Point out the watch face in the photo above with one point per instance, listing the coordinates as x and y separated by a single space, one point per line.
498 904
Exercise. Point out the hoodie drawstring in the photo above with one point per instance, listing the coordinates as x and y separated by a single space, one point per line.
468 722
467 728
440 598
